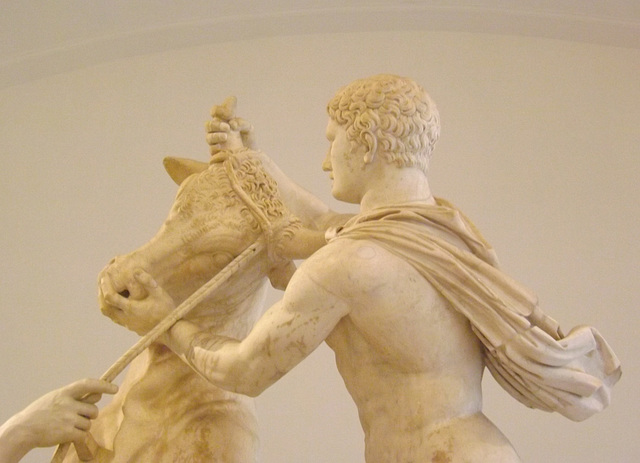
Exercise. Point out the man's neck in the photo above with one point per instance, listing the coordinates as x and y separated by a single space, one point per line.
396 185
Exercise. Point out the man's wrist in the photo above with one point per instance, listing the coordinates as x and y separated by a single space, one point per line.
180 335
15 441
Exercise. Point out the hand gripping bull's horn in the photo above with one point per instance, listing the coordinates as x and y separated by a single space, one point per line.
86 449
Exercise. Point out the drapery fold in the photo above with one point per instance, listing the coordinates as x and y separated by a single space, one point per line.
524 349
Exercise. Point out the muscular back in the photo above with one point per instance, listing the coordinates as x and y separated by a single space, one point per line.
410 362
399 329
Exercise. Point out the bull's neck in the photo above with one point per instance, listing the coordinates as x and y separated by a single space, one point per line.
233 313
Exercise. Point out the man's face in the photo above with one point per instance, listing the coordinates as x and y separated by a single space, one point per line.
345 166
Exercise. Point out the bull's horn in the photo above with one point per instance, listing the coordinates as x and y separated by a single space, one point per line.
180 168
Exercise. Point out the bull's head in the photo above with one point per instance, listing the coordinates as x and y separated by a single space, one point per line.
207 227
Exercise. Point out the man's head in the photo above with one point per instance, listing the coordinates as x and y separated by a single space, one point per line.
391 116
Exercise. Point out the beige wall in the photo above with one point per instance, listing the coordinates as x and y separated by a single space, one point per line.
539 146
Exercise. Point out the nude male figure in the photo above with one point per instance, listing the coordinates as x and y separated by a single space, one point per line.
411 362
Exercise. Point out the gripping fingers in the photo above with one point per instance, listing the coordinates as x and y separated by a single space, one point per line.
116 301
241 125
146 280
82 423
217 135
217 138
80 389
227 132
116 315
112 297
111 303
92 398
87 411
217 126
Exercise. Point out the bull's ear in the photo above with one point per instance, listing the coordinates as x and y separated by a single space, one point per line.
180 168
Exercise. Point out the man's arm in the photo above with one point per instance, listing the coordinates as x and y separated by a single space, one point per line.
338 279
226 131
311 210
60 416
287 333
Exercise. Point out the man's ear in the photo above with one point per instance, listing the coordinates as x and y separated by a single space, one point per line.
372 144
369 157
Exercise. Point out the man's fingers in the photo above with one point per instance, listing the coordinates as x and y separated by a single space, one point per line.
217 138
92 398
109 293
146 280
242 125
88 411
82 423
215 149
217 125
114 314
116 301
226 110
76 435
85 387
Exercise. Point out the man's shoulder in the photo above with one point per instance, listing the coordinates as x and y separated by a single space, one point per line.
352 263
349 252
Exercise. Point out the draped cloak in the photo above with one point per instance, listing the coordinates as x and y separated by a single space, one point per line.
524 349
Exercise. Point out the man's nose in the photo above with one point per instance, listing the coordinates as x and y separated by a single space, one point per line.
326 164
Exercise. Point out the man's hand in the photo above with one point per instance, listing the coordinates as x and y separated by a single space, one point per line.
227 132
61 416
139 315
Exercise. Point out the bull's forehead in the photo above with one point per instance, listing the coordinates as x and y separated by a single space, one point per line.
215 190
208 215
206 191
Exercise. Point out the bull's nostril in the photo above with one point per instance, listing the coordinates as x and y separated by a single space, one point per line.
124 293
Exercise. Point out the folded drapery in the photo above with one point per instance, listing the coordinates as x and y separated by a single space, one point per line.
524 349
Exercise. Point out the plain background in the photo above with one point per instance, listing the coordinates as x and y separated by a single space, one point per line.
539 147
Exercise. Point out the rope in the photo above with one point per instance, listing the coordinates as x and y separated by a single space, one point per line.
86 450
262 219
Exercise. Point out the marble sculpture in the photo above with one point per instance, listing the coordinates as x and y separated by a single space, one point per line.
407 293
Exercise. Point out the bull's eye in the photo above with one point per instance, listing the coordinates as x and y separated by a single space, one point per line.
124 293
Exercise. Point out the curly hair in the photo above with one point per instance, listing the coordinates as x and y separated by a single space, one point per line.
390 115
211 196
